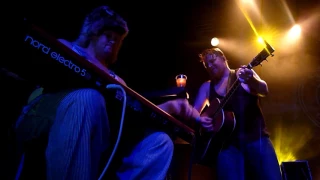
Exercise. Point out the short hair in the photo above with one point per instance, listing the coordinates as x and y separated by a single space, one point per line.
212 51
99 20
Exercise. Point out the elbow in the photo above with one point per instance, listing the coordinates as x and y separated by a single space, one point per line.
174 107
263 91
263 94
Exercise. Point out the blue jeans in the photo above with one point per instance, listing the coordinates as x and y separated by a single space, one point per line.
255 160
77 126
149 159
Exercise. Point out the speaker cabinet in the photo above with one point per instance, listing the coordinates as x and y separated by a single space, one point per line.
296 170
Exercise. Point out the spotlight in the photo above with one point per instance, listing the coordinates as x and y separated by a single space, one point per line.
261 40
295 31
214 41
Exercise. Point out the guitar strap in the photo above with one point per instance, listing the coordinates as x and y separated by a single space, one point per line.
232 78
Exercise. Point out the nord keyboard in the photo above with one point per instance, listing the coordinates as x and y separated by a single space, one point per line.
50 64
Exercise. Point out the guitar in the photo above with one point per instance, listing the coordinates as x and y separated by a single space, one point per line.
209 144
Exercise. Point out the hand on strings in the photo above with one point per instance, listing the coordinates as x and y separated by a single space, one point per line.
205 122
245 74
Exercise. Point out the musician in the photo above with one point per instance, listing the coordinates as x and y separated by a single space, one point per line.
75 122
249 149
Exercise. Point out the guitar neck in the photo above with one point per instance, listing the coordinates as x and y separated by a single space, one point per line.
231 91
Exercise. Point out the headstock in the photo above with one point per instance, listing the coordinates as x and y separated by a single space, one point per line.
266 52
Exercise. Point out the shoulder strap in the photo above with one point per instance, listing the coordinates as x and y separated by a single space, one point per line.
232 78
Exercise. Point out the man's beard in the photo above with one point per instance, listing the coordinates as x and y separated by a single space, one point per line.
215 74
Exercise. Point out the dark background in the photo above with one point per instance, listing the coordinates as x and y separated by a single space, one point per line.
165 38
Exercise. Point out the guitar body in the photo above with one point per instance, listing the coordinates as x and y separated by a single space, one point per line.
209 144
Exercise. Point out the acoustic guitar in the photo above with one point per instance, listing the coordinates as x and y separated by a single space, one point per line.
209 144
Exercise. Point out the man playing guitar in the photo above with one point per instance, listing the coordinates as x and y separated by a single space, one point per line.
249 147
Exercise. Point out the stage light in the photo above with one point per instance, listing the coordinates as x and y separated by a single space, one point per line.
260 40
295 30
214 41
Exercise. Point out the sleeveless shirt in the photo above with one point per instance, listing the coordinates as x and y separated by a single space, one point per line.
250 123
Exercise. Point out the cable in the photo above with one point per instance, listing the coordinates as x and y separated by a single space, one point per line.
20 168
193 144
115 86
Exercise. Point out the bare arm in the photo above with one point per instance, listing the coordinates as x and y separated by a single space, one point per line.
252 83
180 107
202 98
